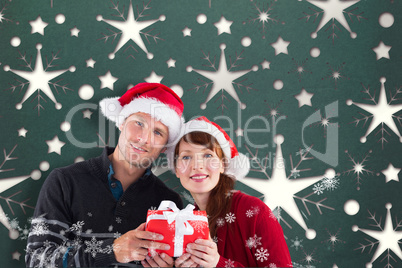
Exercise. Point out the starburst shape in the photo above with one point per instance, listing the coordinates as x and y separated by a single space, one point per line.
280 190
382 113
223 78
388 238
300 68
333 10
39 79
132 28
333 239
359 168
335 74
263 15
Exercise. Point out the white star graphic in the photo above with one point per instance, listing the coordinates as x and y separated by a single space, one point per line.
388 238
90 62
38 26
55 145
131 29
265 64
382 112
391 173
22 132
333 9
153 78
171 63
382 50
87 114
107 80
239 132
223 25
186 31
279 190
74 31
38 79
222 79
16 255
304 98
280 46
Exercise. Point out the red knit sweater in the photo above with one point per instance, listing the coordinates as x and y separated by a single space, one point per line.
251 236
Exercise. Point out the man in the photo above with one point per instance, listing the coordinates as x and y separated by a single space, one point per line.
92 213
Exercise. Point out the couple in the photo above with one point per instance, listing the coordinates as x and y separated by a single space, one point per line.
92 213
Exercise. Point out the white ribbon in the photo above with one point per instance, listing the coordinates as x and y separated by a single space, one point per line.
181 217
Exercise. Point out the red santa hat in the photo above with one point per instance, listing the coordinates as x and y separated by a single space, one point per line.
155 99
238 164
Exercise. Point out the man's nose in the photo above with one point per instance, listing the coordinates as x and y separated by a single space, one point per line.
143 137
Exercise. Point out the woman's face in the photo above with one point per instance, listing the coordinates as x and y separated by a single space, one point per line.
198 167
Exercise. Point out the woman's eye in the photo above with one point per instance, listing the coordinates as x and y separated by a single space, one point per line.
208 155
157 133
185 157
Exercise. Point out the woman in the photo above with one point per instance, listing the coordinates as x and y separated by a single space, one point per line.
243 228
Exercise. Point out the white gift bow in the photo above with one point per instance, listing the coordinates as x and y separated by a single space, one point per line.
181 217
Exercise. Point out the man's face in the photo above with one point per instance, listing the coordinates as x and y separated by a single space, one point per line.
142 139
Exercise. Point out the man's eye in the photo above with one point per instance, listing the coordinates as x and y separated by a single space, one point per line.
185 157
158 133
140 123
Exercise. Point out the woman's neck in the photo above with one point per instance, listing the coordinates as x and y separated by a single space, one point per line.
201 200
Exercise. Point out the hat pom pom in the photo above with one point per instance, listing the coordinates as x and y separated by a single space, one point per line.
111 109
239 166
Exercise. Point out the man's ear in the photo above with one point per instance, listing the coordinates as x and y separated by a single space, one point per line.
121 127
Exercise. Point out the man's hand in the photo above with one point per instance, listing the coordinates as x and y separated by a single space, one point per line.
185 261
134 245
162 260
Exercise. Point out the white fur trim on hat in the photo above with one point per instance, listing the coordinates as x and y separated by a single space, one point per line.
112 110
238 166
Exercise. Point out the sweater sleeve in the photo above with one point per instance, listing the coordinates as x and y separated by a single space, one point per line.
268 244
54 240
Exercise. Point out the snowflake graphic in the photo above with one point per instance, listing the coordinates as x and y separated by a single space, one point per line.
263 15
318 189
77 227
253 242
335 74
272 265
222 79
249 213
296 243
172 226
118 219
131 28
333 239
300 68
3 14
93 247
42 84
200 226
359 168
40 228
382 112
333 10
220 222
330 184
24 232
281 190
230 217
229 263
387 237
262 254
14 224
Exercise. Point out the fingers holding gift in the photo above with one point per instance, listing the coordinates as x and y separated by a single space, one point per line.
204 252
162 260
185 261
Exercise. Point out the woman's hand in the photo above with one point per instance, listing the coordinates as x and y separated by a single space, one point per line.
162 260
204 252
185 261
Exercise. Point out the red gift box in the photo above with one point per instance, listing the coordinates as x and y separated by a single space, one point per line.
178 227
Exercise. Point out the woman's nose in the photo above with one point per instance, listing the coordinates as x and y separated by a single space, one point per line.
198 163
